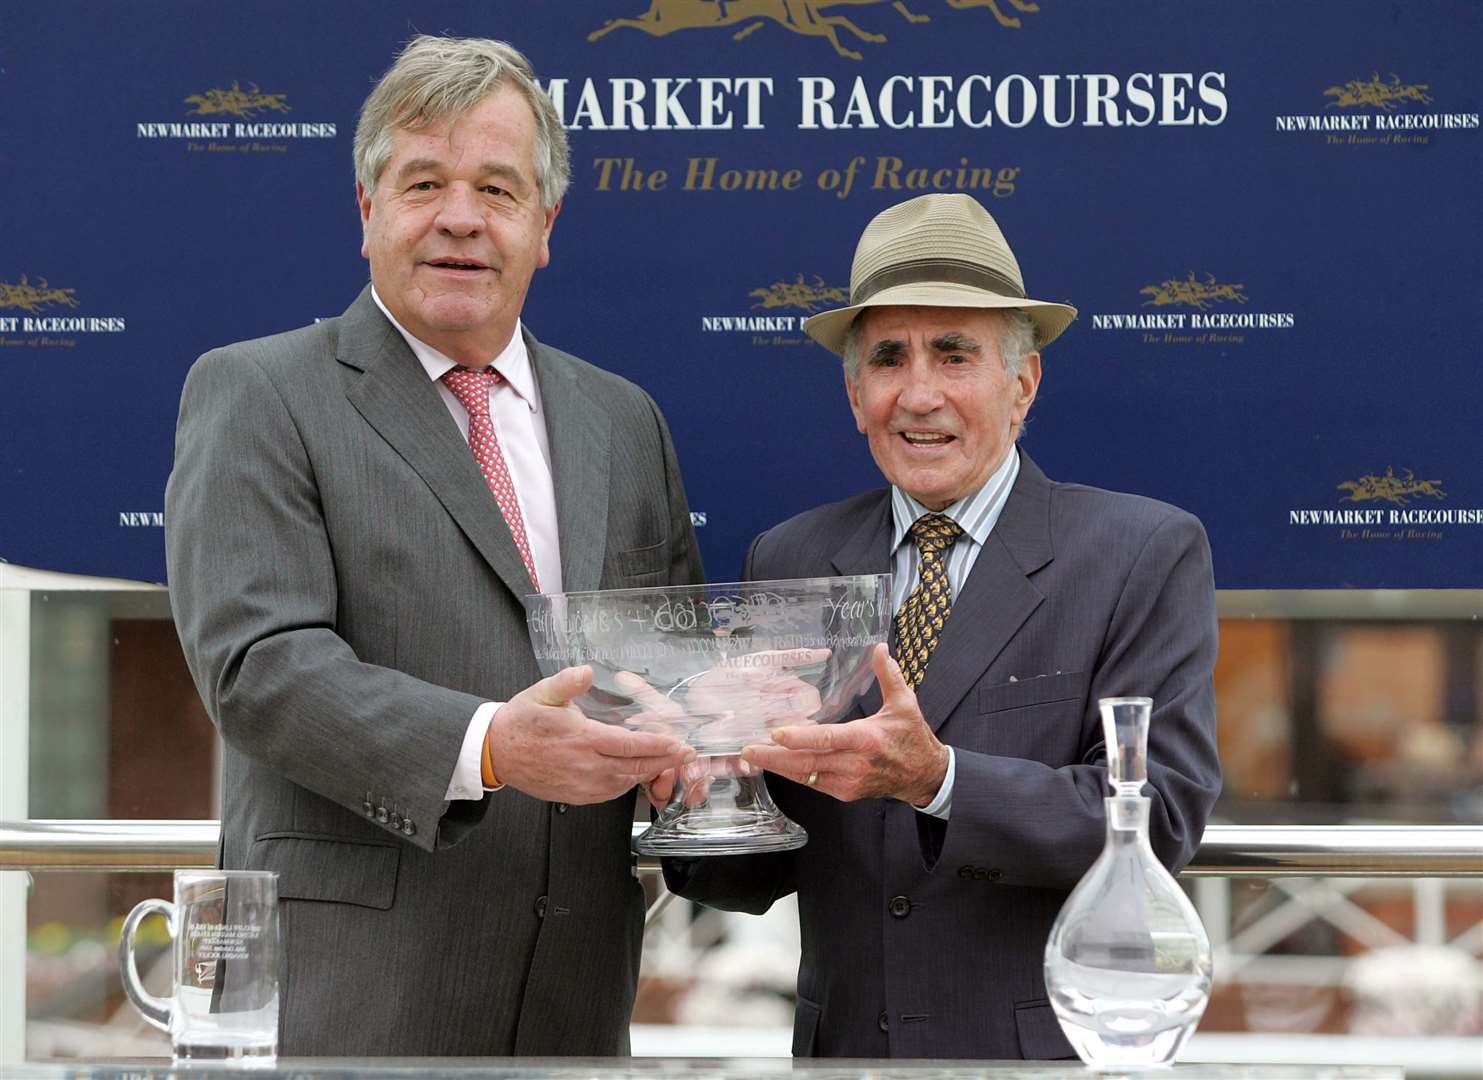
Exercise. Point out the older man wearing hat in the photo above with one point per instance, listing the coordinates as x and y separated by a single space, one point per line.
949 821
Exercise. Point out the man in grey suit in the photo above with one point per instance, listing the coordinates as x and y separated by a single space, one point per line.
948 823
356 510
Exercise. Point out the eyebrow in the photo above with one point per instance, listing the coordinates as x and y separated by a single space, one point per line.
886 349
955 341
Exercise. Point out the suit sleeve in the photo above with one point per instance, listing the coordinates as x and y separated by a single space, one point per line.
750 883
685 566
253 587
1043 826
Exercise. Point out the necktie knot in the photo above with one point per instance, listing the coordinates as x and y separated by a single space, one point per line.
935 532
471 386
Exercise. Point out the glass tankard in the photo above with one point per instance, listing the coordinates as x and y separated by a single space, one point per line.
224 962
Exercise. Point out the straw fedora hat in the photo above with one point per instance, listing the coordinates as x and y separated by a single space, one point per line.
936 251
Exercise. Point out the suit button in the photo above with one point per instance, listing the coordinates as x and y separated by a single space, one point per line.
381 815
965 872
883 1021
899 906
995 875
408 829
562 808
368 808
396 820
540 907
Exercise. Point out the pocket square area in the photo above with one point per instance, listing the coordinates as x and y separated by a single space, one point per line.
1020 692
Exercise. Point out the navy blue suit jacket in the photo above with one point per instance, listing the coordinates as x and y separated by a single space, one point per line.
923 938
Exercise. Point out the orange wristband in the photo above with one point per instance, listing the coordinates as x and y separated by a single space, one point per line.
486 767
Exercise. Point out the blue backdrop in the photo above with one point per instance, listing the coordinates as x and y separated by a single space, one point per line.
1268 214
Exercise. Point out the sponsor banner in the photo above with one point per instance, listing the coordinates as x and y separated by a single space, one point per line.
236 120
1380 112
1391 506
35 314
1184 314
776 314
1273 251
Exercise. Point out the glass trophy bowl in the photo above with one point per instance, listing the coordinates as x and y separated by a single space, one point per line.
718 666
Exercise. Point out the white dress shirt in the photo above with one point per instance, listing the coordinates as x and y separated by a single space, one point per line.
976 515
515 410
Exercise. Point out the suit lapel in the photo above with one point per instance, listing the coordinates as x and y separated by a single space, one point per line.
398 400
579 433
996 599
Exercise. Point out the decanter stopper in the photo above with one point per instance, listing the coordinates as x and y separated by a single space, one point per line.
1125 730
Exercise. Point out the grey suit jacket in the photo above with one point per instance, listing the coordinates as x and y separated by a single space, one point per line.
924 938
347 594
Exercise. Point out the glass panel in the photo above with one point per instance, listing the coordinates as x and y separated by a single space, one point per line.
1341 707
1254 710
117 729
1333 707
1380 957
75 1004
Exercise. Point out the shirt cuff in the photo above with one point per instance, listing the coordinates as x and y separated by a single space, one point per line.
942 805
468 777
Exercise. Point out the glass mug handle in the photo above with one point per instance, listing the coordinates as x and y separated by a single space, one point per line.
155 1010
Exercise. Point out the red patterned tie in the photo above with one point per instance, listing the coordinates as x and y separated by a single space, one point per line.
472 387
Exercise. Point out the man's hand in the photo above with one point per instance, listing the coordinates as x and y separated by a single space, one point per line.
742 692
542 745
695 780
659 714
892 754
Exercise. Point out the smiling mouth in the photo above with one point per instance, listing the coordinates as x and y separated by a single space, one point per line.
926 439
457 264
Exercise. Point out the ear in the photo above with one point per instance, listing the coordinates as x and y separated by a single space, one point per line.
1029 385
852 391
546 235
363 200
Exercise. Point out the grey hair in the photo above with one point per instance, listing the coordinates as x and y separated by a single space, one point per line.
1016 341
442 78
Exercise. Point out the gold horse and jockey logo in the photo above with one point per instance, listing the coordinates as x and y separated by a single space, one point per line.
800 294
1192 292
1380 95
237 101
1390 487
808 17
26 296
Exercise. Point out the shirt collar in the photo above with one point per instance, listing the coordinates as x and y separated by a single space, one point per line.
976 514
513 363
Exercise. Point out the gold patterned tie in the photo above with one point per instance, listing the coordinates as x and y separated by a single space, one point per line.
919 622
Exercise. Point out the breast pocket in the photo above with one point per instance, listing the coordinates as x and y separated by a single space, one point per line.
1038 719
1027 693
644 566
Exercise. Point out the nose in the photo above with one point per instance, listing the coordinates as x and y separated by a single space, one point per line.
920 392
458 212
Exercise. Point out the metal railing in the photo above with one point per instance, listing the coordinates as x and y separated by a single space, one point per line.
1226 850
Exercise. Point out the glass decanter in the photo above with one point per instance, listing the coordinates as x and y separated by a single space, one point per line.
1127 964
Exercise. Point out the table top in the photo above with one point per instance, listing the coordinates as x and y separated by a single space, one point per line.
661 1068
